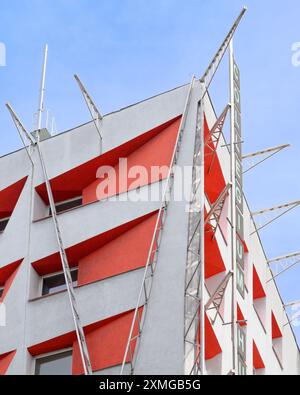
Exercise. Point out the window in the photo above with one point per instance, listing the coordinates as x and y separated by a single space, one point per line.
57 364
3 224
56 282
1 291
67 205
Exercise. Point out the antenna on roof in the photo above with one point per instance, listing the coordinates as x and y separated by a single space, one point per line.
42 89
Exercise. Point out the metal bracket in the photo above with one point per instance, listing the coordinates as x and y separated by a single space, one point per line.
282 209
95 113
216 299
22 131
285 262
212 142
214 215
295 316
250 160
214 64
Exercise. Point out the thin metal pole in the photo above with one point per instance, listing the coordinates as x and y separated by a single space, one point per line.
42 89
213 67
233 216
201 230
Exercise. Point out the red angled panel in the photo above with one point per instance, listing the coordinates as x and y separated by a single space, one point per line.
214 181
258 362
72 183
241 317
212 345
258 289
7 276
214 263
106 342
9 198
5 361
126 252
246 249
276 332
52 345
87 254
156 152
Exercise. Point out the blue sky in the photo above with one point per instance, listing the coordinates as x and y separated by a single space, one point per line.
128 50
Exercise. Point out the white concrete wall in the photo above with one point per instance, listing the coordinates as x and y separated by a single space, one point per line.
161 348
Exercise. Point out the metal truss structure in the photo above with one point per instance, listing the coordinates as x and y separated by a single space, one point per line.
64 260
195 255
214 214
93 109
294 316
283 264
213 66
195 273
216 299
213 140
269 215
22 132
250 161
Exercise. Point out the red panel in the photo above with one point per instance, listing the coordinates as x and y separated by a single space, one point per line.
276 332
246 249
7 275
106 342
212 345
214 181
52 345
156 152
5 361
9 198
52 263
258 363
71 183
213 260
240 316
258 289
127 252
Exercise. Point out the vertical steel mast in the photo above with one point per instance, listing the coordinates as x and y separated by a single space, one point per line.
237 218
195 308
233 216
42 91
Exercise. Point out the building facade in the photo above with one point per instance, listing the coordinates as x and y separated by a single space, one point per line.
111 234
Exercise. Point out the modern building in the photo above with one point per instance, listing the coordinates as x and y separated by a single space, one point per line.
134 272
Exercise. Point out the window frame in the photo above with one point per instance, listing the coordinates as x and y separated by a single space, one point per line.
73 269
64 202
50 354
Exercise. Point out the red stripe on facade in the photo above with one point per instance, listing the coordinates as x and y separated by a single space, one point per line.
72 183
7 276
5 361
120 249
258 362
9 197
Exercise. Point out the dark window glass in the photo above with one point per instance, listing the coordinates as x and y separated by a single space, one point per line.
3 224
57 282
64 206
1 291
58 364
